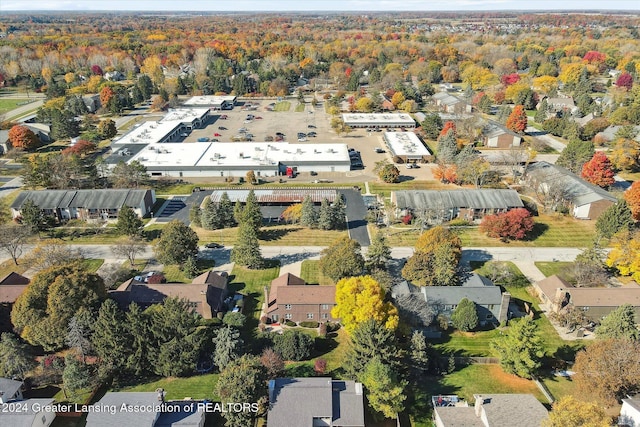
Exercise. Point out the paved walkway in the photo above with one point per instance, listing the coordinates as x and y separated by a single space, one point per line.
530 271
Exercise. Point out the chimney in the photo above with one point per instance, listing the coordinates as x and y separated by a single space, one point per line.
272 390
161 394
207 311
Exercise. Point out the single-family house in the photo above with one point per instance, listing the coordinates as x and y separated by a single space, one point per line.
446 205
5 144
311 402
492 304
41 130
92 102
32 413
11 287
451 104
114 76
609 134
290 298
10 390
86 204
385 103
630 412
560 104
596 303
495 135
489 410
588 201
206 293
147 409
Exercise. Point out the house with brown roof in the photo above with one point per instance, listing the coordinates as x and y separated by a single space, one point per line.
11 287
291 298
596 303
206 293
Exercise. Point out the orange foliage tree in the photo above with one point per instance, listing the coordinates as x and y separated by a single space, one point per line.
448 126
512 225
22 137
80 148
105 96
632 196
517 120
446 173
598 170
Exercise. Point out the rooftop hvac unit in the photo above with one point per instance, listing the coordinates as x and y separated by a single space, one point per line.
299 151
241 155
216 155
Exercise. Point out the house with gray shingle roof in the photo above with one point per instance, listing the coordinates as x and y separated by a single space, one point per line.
588 200
32 413
10 390
467 204
497 136
86 204
451 104
492 304
308 402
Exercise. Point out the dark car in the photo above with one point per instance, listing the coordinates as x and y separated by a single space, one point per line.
311 126
279 134
213 245
222 128
313 173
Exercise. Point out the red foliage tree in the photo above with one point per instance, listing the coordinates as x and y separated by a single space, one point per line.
594 56
509 79
447 126
80 148
517 120
625 80
476 98
97 70
598 170
511 225
499 97
22 137
156 279
632 196
320 366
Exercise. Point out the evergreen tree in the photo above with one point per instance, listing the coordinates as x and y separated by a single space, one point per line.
293 345
110 339
385 391
79 333
465 316
251 214
244 380
177 243
138 325
615 218
370 339
541 112
76 375
503 114
379 253
237 211
246 251
619 324
308 217
195 215
128 222
225 211
576 154
32 216
338 213
432 125
16 359
520 348
190 267
324 218
208 214
228 345
341 259
447 148
418 355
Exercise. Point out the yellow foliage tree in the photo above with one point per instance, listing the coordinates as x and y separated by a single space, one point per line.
397 99
570 73
512 91
570 412
364 104
435 237
545 84
293 213
361 298
625 255
153 67
478 77
93 85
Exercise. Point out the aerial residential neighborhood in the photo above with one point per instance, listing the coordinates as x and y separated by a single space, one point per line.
329 216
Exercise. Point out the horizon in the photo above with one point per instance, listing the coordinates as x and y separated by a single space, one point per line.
335 6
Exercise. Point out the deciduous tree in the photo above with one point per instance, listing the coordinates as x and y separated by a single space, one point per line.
608 369
632 196
12 239
465 316
575 154
129 175
517 120
293 345
107 129
177 243
512 225
244 380
599 170
625 255
571 412
272 362
520 348
389 174
361 298
22 137
341 259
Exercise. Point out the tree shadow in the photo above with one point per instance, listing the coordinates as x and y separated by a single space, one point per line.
538 230
303 370
150 235
405 178
324 345
271 234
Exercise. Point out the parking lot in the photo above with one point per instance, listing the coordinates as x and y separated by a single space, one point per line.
267 123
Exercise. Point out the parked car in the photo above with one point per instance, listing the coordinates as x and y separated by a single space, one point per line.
222 128
279 134
379 150
311 126
312 134
313 173
184 135
223 117
357 165
258 118
203 139
213 245
216 134
412 166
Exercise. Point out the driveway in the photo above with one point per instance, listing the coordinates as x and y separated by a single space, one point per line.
546 138
356 212
178 207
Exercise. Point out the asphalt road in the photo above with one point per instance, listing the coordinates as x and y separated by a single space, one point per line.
546 138
356 212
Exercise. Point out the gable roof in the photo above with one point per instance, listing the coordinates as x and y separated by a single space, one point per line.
211 278
493 129
9 388
14 278
604 297
287 279
90 199
549 285
476 288
295 402
580 191
449 199
125 418
25 417
12 286
502 409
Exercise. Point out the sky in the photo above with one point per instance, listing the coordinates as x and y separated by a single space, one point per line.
317 5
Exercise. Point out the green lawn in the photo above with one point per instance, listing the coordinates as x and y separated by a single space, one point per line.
310 273
559 386
551 268
467 343
282 106
91 264
10 104
174 274
551 231
251 283
332 349
385 189
196 387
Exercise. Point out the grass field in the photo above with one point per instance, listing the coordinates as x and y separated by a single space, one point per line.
92 264
551 231
282 106
197 387
310 273
173 274
166 189
386 189
278 235
551 268
10 104
251 283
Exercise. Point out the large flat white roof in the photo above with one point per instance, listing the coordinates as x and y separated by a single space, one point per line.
378 119
210 100
239 154
405 144
156 131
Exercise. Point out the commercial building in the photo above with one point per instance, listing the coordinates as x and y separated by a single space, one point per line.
235 159
213 102
171 128
378 120
86 204
407 147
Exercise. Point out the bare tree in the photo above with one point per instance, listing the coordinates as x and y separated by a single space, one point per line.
49 253
414 309
13 238
550 191
129 248
515 158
